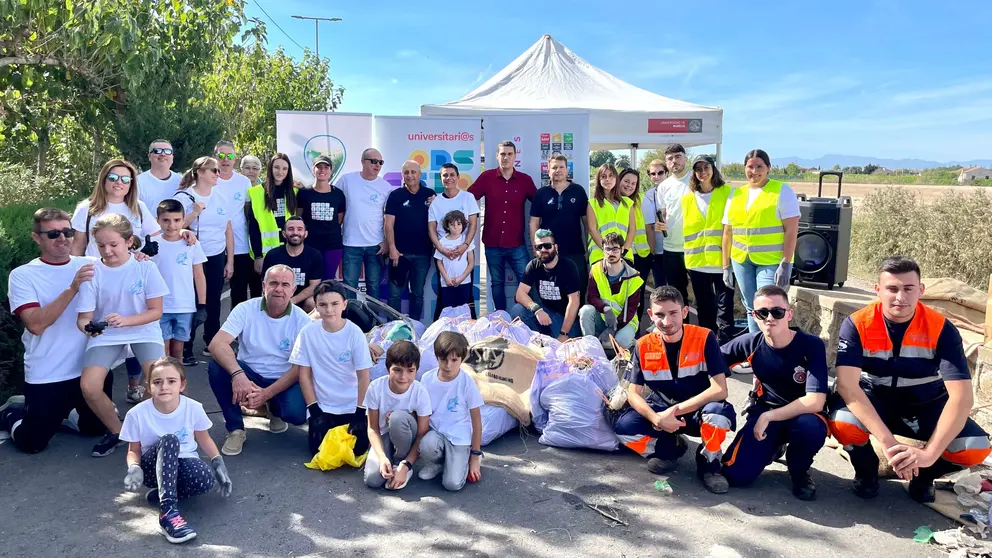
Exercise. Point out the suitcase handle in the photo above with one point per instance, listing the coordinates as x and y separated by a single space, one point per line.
838 174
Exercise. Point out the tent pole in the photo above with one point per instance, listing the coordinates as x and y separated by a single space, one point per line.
719 161
633 155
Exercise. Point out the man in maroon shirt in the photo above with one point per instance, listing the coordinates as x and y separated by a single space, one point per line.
506 191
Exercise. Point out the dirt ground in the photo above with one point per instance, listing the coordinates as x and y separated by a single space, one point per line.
858 191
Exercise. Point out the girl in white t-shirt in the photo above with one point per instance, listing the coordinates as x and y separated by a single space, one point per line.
455 275
162 434
120 307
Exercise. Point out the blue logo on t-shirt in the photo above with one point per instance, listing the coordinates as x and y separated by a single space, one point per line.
285 345
344 357
183 436
136 287
220 211
453 404
182 258
374 197
237 196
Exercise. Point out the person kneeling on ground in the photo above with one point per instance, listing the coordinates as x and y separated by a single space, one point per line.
399 410
454 443
334 360
685 372
899 360
162 434
614 293
552 308
267 328
790 390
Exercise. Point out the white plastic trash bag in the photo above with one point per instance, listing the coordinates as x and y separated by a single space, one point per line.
496 421
547 345
547 372
457 312
436 328
582 348
575 415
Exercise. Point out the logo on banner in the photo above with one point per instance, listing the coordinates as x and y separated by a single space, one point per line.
675 125
430 166
331 146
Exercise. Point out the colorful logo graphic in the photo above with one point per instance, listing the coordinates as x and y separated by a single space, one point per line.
329 145
430 167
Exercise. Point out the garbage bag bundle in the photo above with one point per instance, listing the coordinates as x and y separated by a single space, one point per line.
575 415
547 372
428 362
545 344
395 330
378 370
336 449
462 312
435 329
498 324
496 421
581 349
603 374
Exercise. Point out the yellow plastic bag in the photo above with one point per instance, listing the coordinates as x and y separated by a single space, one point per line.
337 449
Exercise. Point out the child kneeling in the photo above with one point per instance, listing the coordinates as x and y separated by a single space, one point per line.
162 435
455 439
398 410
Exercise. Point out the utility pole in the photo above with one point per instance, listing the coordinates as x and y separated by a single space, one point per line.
316 27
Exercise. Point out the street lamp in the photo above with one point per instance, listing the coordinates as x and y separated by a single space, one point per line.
316 27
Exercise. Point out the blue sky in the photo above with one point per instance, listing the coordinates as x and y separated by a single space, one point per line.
882 78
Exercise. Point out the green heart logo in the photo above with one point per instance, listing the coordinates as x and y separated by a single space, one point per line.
330 146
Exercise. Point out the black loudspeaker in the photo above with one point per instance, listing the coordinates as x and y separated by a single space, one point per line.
823 245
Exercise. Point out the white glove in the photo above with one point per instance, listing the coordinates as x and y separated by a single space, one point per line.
783 275
610 319
134 478
728 277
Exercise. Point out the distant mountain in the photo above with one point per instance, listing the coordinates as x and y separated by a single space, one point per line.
828 161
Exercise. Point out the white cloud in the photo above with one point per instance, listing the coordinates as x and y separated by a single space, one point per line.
941 93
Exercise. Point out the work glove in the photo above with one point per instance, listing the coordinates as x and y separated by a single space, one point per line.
728 277
783 274
134 478
200 317
220 475
150 247
319 423
359 427
611 319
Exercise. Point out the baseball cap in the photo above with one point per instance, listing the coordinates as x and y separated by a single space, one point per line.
323 159
703 159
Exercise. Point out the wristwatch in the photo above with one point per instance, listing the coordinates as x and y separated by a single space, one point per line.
477 452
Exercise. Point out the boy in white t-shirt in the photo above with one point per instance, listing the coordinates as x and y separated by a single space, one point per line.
455 274
399 412
181 266
334 361
454 443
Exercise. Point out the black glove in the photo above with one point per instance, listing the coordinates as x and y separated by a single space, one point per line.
151 247
95 327
359 428
200 317
319 423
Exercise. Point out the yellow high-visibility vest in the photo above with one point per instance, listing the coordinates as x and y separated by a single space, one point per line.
758 233
641 247
616 302
609 218
266 221
704 233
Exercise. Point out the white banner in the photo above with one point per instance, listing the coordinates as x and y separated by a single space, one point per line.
304 136
432 142
537 137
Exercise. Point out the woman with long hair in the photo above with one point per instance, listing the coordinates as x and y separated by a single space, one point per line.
702 215
629 185
608 211
208 215
269 206
761 224
116 191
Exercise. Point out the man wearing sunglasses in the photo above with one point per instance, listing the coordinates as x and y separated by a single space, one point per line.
364 227
655 214
901 371
233 187
159 182
678 387
551 309
786 406
43 295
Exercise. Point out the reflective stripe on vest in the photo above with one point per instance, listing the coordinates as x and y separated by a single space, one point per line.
616 302
654 361
640 247
758 233
267 225
609 218
919 342
704 233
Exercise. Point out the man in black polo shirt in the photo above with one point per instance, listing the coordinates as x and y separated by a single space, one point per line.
306 262
561 208
548 295
410 250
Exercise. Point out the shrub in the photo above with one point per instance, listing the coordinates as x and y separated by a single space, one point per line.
949 236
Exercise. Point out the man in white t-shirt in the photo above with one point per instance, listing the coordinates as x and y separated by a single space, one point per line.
266 329
451 199
234 188
43 294
159 182
668 225
364 237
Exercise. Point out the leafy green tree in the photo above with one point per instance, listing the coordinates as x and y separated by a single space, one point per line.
871 168
623 162
792 169
599 158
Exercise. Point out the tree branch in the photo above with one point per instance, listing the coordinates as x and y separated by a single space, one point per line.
42 60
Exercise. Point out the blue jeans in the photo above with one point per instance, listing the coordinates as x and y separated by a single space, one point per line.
528 317
752 277
418 266
288 405
352 261
496 261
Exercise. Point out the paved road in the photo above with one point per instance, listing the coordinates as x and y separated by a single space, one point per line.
532 502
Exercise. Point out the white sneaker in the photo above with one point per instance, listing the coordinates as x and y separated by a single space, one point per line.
135 393
206 352
430 470
277 425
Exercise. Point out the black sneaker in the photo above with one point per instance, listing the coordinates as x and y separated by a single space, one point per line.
866 487
716 483
152 497
922 490
106 445
660 466
11 412
190 361
803 487
175 528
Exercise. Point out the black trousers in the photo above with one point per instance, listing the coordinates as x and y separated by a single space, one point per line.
714 303
213 271
245 283
671 267
581 265
643 265
47 405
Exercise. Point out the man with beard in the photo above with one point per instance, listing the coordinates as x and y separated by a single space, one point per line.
551 309
306 262
678 387
614 293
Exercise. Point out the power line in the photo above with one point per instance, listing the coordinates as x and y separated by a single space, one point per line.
277 25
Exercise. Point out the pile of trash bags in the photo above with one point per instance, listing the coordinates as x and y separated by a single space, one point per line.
569 392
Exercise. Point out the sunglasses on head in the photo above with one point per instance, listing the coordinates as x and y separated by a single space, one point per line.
160 151
775 312
228 156
114 177
376 161
55 233
544 246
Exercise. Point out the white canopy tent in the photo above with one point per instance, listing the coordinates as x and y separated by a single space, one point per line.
549 77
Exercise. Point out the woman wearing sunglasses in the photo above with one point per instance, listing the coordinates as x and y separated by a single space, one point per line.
761 224
116 191
608 211
268 207
702 226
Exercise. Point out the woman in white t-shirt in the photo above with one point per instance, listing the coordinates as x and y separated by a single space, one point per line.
454 274
761 225
119 308
162 434
208 215
115 192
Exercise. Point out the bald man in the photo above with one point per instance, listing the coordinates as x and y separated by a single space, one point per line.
365 193
410 251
